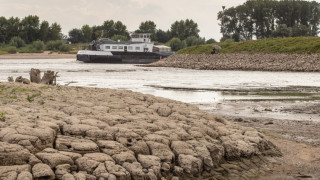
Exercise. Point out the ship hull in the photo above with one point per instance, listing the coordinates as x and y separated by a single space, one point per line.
120 57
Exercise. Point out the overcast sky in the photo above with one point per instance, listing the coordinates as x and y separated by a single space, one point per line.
75 13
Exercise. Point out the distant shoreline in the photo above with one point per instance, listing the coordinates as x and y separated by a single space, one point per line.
44 55
243 61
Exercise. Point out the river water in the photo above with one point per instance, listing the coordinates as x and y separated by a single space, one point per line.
191 86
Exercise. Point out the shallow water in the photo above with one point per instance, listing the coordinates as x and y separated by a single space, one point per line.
205 85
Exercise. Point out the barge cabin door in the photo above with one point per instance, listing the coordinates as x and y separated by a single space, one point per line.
125 48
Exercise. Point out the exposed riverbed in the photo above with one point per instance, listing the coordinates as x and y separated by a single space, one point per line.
280 104
219 91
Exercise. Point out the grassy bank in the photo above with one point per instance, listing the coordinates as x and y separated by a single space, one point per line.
271 45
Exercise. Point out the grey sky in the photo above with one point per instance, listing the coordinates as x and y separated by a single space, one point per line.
75 13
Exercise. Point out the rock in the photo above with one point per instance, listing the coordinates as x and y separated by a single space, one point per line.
135 169
101 171
11 172
61 170
100 157
151 162
111 147
54 159
42 171
86 164
10 79
190 164
68 176
124 157
25 81
118 171
25 175
82 146
33 138
19 79
178 171
161 150
13 154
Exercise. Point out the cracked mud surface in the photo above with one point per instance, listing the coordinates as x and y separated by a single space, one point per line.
89 133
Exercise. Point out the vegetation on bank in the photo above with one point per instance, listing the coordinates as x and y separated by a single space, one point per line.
270 45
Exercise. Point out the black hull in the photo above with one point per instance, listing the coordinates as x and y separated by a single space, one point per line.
124 57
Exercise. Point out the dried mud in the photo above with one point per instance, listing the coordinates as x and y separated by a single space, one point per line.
64 132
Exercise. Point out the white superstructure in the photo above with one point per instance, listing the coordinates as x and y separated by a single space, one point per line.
140 42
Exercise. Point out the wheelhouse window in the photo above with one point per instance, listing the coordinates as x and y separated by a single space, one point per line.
114 47
107 47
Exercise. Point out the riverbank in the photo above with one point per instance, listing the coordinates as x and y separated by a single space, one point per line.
61 131
243 61
44 55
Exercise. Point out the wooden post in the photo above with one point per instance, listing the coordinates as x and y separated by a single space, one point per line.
35 75
49 77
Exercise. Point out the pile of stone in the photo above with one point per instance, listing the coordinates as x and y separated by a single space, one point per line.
243 61
92 133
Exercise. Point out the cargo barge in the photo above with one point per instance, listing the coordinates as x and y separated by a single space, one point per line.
139 50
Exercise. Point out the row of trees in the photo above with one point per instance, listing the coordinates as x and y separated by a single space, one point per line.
29 29
270 18
185 32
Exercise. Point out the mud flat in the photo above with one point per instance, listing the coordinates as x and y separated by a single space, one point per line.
89 133
243 61
44 55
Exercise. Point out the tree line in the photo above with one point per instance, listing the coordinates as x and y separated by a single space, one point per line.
270 18
29 29
182 33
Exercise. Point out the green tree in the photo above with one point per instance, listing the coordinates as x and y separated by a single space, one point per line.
176 44
75 35
44 31
162 36
120 29
38 45
86 33
281 31
261 17
183 29
3 29
193 41
120 37
13 28
300 30
29 28
211 41
17 42
148 27
54 32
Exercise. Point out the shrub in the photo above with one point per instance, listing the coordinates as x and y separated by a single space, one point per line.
17 42
38 45
64 48
54 45
176 44
12 50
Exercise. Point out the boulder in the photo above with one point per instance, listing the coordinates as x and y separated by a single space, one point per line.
42 171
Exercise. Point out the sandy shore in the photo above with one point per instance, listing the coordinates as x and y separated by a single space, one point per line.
44 55
243 61
72 132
